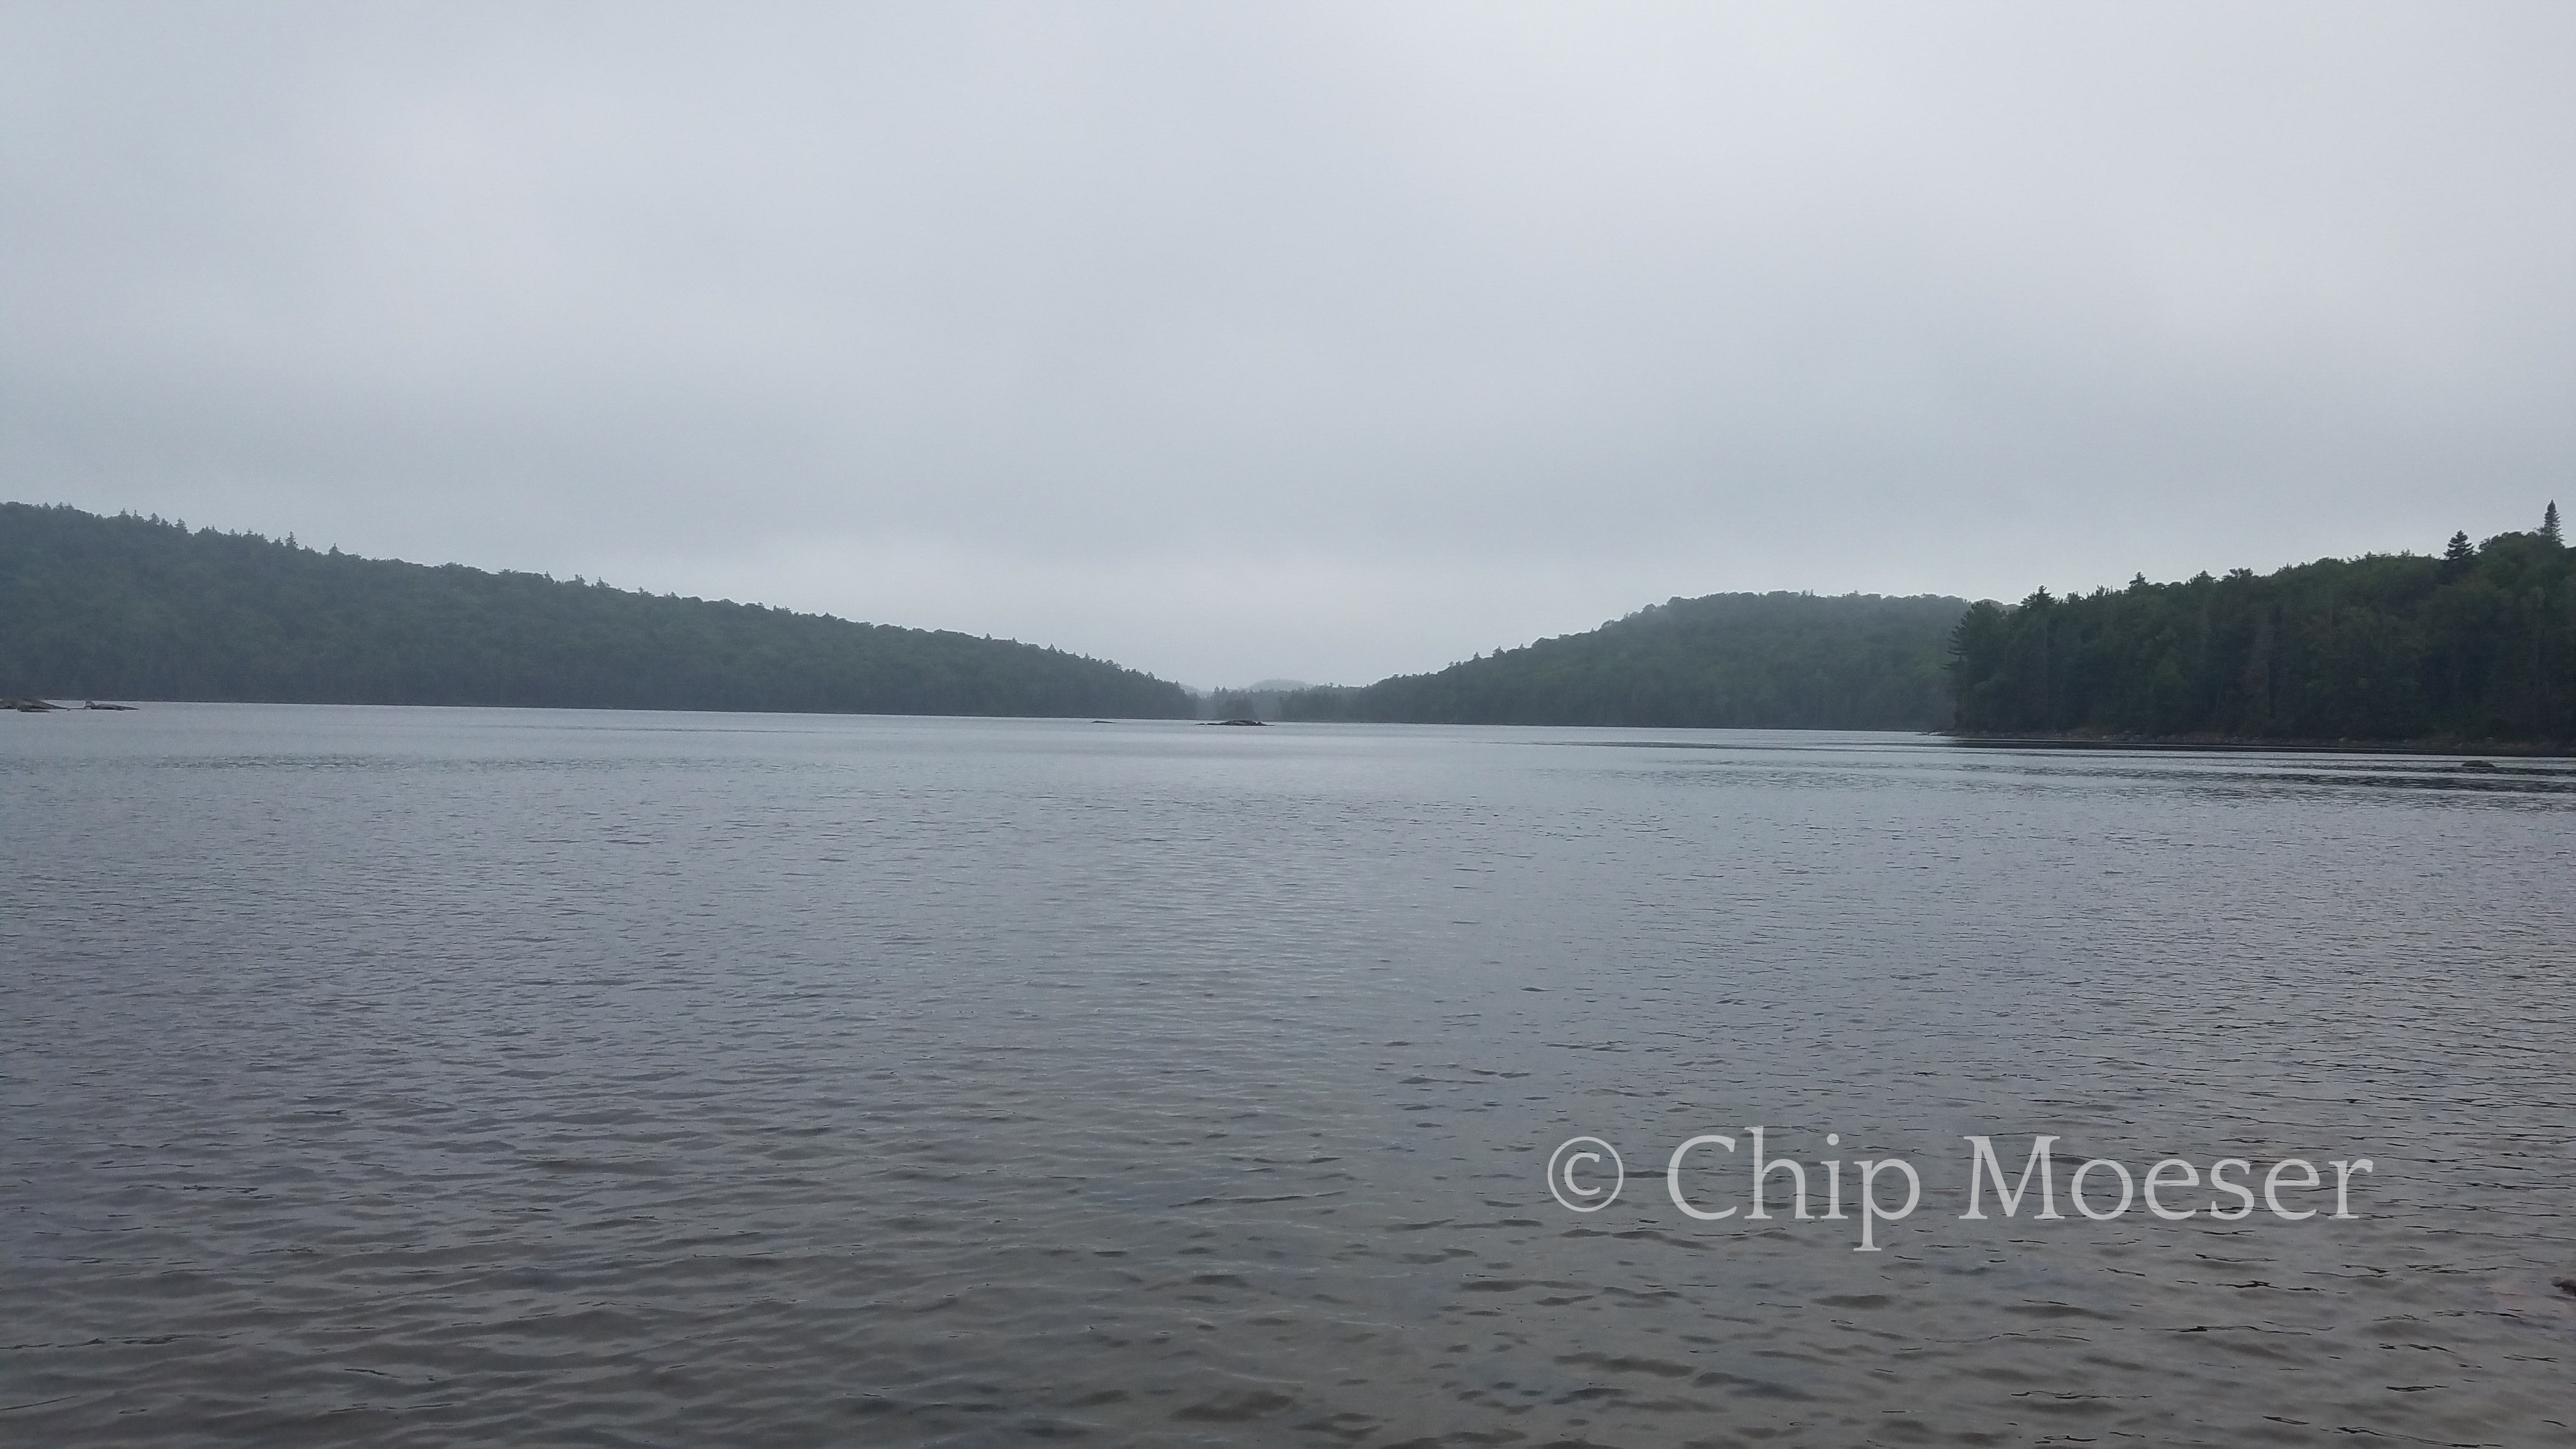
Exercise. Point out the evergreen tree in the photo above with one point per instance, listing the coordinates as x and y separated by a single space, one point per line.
2549 523
2479 645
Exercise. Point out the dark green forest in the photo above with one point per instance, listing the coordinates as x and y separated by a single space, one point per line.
1727 661
135 608
2478 645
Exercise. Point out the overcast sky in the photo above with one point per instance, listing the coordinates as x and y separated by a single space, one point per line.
1318 340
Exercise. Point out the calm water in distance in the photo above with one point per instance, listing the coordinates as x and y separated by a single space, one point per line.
426 1077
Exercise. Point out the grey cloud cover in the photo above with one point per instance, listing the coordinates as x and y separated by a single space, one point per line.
1310 340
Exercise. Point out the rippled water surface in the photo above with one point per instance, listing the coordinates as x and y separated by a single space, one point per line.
413 1077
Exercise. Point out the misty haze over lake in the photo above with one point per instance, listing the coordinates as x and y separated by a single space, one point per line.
1322 341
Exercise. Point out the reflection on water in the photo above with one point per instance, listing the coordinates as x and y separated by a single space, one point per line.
425 1077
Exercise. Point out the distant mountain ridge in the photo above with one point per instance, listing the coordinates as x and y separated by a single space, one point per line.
135 608
1725 661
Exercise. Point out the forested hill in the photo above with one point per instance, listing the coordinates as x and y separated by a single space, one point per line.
2476 646
134 608
1727 661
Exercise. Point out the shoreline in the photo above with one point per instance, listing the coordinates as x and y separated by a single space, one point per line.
2240 744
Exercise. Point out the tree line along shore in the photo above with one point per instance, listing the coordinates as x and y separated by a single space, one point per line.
2474 647
135 608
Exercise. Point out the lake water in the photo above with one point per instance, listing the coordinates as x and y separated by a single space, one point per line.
411 1077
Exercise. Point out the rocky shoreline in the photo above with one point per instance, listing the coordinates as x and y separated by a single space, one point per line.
2238 743
45 706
